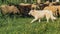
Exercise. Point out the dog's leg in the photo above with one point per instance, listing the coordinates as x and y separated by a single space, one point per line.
39 20
33 20
52 19
47 19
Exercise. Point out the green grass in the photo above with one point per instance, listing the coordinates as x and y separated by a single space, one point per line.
23 26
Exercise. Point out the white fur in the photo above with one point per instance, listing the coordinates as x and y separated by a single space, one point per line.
38 14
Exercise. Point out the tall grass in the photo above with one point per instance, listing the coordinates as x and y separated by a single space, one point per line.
23 26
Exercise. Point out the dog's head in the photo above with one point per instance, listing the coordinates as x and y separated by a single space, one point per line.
31 11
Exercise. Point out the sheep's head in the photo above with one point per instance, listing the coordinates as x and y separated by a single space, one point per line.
3 5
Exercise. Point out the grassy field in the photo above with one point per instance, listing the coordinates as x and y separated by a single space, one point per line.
23 26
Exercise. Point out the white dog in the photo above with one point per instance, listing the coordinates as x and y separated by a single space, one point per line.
38 14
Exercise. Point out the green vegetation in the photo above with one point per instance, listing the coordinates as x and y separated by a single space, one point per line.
23 26
17 1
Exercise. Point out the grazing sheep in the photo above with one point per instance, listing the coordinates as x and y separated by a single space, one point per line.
4 9
8 9
23 8
38 14
52 8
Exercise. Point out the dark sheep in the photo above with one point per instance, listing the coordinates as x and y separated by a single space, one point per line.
56 3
